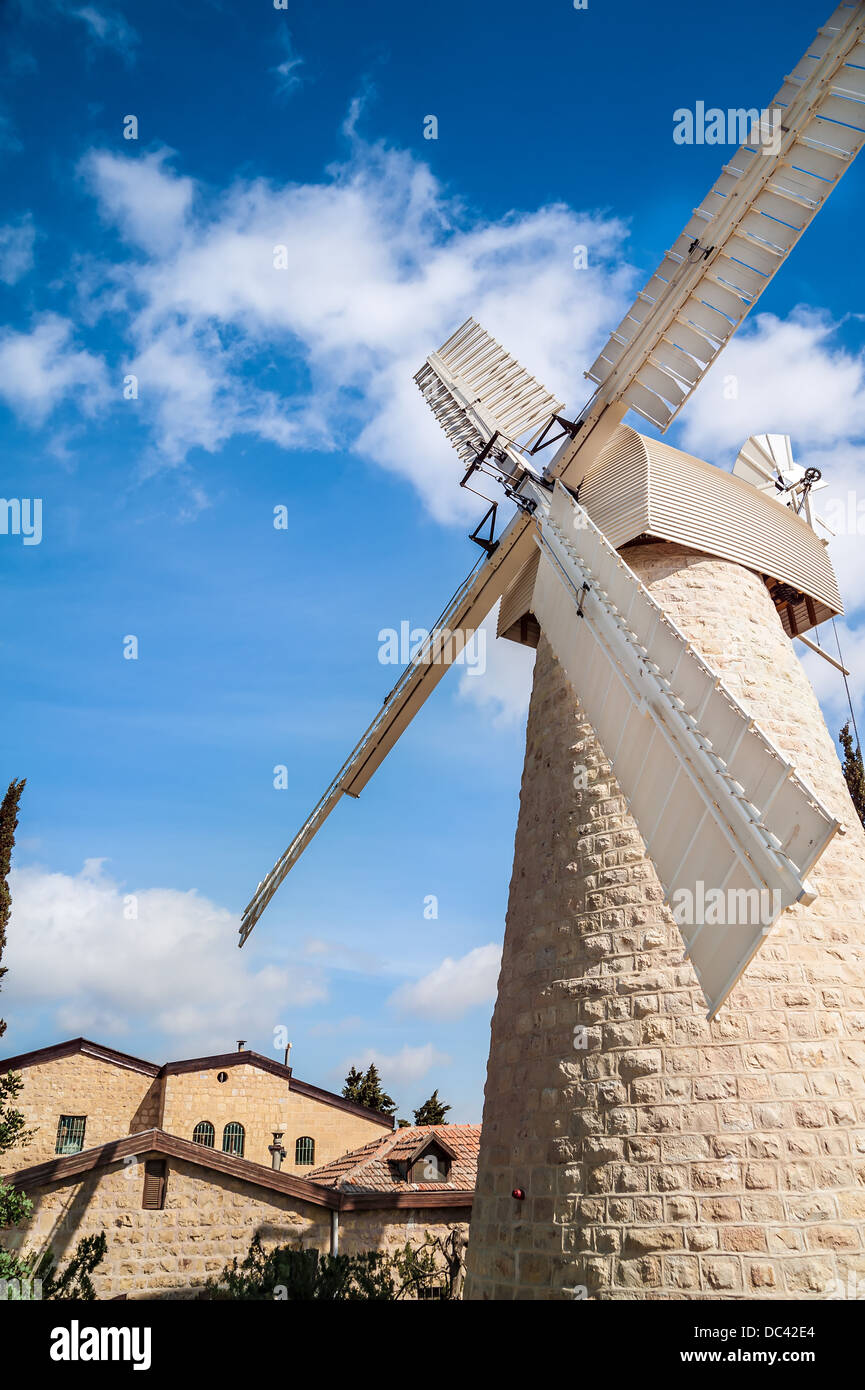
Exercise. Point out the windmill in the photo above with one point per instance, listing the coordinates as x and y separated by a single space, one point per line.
663 595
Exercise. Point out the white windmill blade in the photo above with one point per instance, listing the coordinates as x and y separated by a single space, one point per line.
460 619
742 232
763 458
720 809
480 394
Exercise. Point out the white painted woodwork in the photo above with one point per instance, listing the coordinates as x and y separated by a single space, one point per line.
476 389
718 806
743 231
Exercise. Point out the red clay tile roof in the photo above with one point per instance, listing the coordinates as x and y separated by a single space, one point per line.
379 1166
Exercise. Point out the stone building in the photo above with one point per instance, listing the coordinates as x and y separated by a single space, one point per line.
175 1212
79 1095
173 1163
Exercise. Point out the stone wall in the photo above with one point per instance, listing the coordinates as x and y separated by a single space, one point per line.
673 1158
119 1100
263 1102
208 1218
116 1100
389 1231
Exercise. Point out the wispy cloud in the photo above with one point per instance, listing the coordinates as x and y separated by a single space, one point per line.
288 71
106 27
16 250
41 368
454 986
103 26
400 1068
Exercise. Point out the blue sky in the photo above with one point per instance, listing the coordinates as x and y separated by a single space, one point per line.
260 388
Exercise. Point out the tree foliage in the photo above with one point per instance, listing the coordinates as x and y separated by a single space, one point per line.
14 1206
73 1281
26 1276
8 824
13 1126
365 1088
286 1274
854 771
432 1112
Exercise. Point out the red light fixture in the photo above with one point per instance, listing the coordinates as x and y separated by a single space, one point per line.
519 1194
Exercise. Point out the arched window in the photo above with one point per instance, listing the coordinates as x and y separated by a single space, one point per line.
232 1139
204 1133
304 1151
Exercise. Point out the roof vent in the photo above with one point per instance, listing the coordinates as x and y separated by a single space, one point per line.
241 1044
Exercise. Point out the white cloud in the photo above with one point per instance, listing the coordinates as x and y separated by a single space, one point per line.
287 71
842 505
16 250
399 1068
106 27
174 970
827 682
792 378
42 368
454 986
148 203
795 378
380 266
500 689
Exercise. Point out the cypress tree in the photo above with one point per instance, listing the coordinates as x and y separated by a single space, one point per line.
8 824
854 772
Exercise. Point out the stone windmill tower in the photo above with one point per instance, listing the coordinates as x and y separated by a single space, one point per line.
680 788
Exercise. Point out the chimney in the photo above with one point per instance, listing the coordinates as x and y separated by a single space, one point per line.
241 1044
288 1054
276 1151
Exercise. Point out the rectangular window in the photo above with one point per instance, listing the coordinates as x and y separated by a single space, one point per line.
155 1183
70 1134
432 1291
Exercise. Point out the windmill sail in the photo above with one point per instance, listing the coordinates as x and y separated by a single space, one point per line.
463 615
479 394
764 459
743 230
487 404
720 809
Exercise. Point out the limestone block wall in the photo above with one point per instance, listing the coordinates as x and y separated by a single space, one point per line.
262 1102
671 1157
208 1218
390 1230
116 1100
